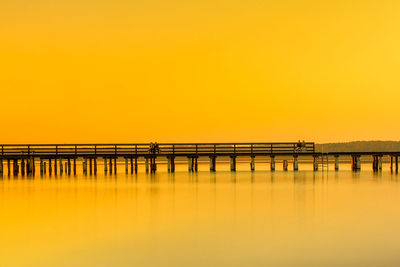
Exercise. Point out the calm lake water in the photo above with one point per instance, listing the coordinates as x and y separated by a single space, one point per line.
245 218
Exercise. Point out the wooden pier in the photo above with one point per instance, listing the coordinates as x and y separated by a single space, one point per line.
63 158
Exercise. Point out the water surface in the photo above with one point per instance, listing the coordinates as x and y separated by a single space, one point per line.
245 218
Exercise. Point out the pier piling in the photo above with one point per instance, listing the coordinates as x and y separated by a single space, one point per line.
336 162
171 164
376 163
355 162
272 164
55 166
253 163
61 166
126 166
50 167
69 166
15 167
105 165
233 163
41 167
315 163
285 165
190 164
295 163
84 166
22 167
213 163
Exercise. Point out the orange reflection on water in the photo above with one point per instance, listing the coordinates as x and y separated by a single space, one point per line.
219 219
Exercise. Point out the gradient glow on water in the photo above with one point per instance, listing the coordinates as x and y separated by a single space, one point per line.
205 219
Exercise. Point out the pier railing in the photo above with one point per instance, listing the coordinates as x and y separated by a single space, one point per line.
143 149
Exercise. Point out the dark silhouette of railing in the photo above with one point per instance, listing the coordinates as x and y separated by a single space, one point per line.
143 149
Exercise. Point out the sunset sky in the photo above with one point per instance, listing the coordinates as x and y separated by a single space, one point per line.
199 71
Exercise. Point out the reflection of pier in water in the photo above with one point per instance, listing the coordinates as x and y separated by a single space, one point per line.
64 157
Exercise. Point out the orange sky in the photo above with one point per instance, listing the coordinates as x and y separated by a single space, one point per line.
221 70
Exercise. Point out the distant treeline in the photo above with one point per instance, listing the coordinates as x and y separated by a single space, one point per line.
359 146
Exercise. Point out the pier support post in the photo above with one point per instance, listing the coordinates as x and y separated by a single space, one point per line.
61 166
147 164
41 167
285 165
45 167
105 165
90 166
126 166
55 166
196 166
15 167
115 165
74 166
336 162
8 167
132 167
233 163
295 163
95 166
50 167
374 163
272 163
253 163
33 165
391 163
190 164
136 165
315 163
69 166
153 164
355 162
1 166
22 167
396 163
213 163
171 164
84 166
110 165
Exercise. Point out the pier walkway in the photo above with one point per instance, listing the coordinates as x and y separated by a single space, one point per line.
64 157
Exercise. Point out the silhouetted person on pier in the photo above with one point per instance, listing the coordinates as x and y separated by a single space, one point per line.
156 148
151 148
298 146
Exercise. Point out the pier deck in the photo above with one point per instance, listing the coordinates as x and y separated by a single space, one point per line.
24 155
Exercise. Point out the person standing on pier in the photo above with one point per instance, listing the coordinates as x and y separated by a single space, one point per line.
156 148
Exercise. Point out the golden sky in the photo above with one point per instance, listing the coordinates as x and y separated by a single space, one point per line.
188 71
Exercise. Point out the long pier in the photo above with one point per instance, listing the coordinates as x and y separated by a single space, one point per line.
59 158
